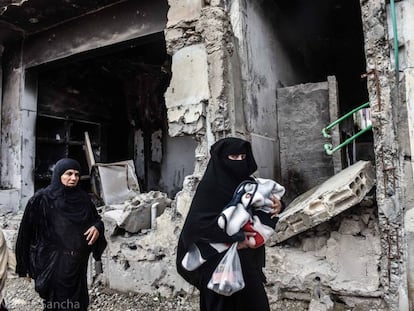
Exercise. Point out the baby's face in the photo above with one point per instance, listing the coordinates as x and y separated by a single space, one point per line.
257 200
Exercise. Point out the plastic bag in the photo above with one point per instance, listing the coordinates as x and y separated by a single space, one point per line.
227 278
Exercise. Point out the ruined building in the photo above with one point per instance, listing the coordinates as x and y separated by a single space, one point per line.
154 83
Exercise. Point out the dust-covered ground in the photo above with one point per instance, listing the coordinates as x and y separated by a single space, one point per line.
20 296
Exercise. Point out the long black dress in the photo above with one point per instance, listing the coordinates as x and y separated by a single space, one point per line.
51 246
221 178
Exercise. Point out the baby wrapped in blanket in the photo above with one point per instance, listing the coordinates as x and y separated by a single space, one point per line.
250 210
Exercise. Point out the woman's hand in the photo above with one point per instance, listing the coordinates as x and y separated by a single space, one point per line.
276 206
246 242
92 235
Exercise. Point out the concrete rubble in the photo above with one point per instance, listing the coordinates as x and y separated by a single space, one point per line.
341 255
322 202
338 255
135 214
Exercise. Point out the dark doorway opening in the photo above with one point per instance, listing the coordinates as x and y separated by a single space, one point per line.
114 94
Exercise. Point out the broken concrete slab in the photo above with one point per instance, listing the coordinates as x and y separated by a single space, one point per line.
135 214
321 203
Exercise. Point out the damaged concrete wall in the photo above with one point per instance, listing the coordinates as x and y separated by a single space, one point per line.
403 114
188 91
263 70
338 258
325 254
199 39
383 86
303 110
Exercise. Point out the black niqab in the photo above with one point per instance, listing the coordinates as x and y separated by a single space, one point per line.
216 189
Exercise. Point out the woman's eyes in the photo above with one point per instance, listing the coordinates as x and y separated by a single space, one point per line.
71 174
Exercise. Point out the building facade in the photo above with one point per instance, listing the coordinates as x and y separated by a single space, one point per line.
158 82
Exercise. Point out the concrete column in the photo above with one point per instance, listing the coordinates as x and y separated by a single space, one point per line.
385 104
405 26
28 149
11 121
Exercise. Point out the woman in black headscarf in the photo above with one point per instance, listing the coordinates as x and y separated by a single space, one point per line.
231 163
59 229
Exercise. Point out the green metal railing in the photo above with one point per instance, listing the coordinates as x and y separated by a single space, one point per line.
328 147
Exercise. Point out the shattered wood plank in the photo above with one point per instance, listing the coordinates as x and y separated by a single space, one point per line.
321 203
89 152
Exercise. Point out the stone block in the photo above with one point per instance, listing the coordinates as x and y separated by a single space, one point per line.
321 203
135 214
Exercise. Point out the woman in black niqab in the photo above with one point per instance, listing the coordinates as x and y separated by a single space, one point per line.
215 190
51 245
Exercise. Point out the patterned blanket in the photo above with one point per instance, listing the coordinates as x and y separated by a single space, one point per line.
249 211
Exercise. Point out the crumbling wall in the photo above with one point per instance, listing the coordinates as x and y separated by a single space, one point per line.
144 260
382 86
338 258
403 113
326 254
265 65
200 98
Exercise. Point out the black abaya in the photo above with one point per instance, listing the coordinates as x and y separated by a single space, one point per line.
51 246
216 189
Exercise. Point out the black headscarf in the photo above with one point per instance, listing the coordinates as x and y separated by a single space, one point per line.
216 189
60 193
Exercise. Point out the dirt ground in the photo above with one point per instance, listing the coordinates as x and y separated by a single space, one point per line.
20 296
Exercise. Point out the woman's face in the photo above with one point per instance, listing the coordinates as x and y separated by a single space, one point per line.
70 178
237 157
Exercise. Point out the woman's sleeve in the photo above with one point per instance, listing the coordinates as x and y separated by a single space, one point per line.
100 244
24 237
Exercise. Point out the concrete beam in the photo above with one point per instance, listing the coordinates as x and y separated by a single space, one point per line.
119 23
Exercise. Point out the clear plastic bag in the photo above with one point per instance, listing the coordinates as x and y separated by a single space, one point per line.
227 278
